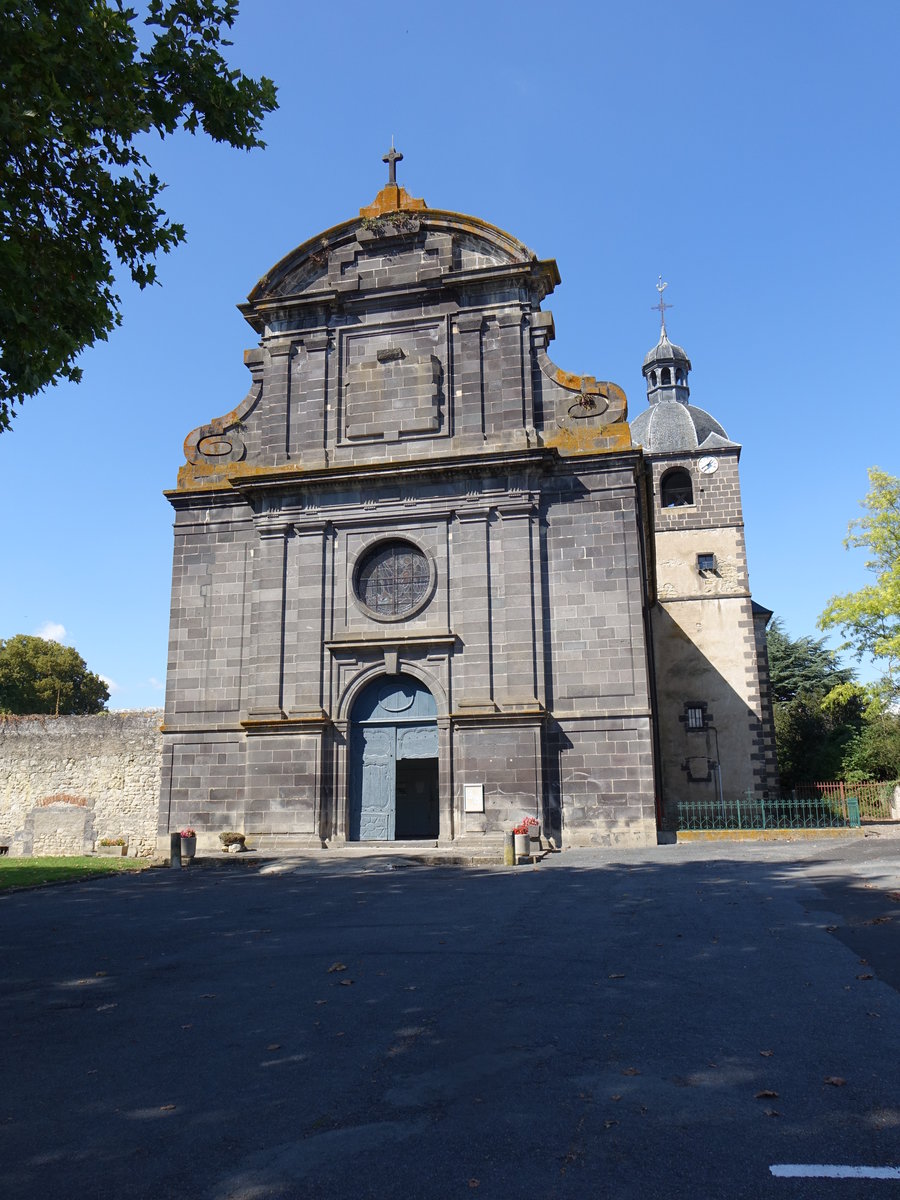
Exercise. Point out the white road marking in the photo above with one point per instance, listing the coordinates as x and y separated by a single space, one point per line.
826 1171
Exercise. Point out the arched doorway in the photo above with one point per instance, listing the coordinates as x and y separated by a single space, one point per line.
394 762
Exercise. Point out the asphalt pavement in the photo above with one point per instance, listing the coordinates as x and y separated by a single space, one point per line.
673 1022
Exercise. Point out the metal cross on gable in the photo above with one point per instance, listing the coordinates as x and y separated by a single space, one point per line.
392 158
662 306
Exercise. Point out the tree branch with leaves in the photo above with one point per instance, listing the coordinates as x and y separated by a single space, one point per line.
869 619
76 192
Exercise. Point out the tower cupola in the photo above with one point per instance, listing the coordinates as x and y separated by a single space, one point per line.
666 367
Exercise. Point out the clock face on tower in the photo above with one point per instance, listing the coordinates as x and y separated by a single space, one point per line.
708 465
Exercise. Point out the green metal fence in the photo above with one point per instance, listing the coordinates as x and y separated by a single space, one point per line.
749 812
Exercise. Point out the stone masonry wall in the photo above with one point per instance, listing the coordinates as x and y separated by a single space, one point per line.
67 782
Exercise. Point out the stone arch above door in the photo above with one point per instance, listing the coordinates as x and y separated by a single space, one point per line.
346 705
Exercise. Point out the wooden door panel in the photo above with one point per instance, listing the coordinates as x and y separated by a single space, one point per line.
372 802
417 741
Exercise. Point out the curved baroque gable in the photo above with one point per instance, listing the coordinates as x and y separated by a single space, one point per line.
404 333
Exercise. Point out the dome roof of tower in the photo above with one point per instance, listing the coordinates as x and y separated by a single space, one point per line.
666 352
670 425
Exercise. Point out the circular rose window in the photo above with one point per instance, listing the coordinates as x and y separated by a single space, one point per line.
393 579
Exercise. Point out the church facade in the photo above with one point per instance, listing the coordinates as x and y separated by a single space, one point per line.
427 583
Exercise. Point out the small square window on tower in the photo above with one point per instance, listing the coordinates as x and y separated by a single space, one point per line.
695 716
706 562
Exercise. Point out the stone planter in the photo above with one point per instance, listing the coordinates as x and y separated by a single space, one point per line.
112 851
522 844
188 847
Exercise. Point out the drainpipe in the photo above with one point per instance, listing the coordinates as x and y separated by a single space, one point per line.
718 767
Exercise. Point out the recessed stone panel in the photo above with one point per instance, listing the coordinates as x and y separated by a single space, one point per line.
393 384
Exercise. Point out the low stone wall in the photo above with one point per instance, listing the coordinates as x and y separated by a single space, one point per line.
67 782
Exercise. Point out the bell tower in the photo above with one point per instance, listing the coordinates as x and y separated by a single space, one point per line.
713 711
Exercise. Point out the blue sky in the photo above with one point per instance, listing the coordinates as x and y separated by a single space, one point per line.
748 153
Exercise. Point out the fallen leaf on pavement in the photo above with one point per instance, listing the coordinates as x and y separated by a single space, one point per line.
609 1124
617 976
473 1183
337 967
772 1112
166 1107
345 982
274 1046
767 1053
868 975
835 1080
766 1095
631 1071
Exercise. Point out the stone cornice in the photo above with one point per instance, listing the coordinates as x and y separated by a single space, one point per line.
392 641
544 460
269 725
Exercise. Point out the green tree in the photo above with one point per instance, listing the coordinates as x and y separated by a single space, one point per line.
80 88
38 676
801 665
810 742
870 618
875 751
817 708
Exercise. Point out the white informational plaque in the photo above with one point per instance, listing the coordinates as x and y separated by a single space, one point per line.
475 797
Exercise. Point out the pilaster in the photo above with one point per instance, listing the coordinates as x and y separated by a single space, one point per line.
309 415
267 622
305 619
471 603
512 595
468 403
274 431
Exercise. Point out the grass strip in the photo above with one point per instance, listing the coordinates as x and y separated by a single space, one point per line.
32 872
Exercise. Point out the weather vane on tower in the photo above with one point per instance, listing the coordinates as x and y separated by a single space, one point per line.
661 307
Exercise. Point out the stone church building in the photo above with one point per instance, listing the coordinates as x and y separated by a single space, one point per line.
426 582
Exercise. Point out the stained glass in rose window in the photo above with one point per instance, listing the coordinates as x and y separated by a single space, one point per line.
393 579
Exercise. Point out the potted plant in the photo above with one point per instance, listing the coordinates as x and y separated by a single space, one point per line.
232 843
522 840
188 842
112 847
533 828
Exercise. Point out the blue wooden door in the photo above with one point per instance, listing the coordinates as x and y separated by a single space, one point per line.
393 718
